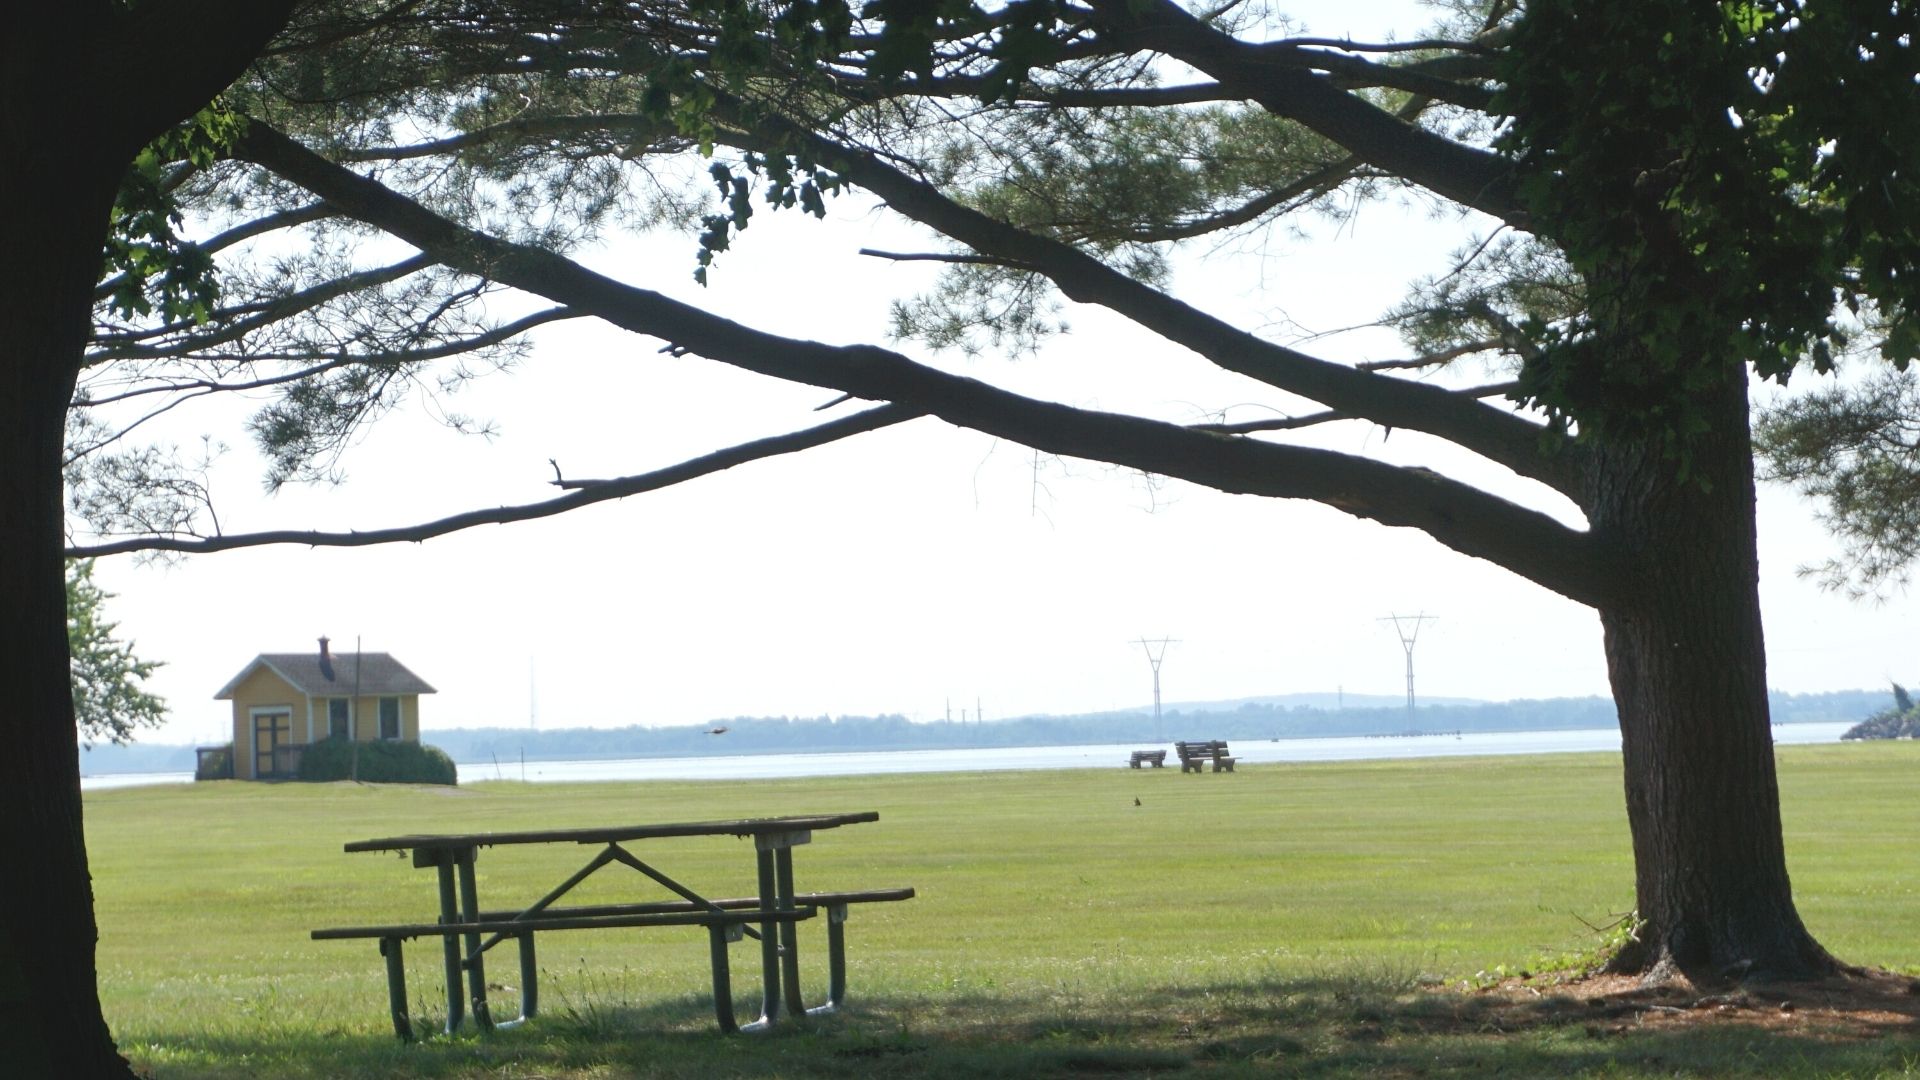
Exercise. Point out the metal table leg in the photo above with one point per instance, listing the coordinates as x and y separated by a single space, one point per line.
718 936
769 944
397 988
476 960
836 960
450 913
789 931
529 978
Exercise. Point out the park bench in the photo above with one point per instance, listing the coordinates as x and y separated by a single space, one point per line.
1155 758
726 920
1194 756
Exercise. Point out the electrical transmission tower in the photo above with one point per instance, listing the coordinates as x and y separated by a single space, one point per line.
1153 661
1407 627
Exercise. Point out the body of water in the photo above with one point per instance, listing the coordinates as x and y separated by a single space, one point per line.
1103 756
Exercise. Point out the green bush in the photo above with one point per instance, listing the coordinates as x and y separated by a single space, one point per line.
383 762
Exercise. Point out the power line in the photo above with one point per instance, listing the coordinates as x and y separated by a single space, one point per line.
1407 628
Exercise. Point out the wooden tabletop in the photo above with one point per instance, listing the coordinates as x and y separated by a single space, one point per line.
614 834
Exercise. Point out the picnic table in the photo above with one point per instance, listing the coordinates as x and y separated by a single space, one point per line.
468 931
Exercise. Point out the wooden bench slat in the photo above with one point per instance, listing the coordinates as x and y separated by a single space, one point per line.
571 921
813 899
685 912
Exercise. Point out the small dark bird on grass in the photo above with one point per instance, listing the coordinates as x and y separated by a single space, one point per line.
1136 800
721 730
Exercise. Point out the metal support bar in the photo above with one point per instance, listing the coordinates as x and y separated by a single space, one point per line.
628 858
450 913
717 937
529 978
559 891
476 963
769 942
789 931
397 988
836 960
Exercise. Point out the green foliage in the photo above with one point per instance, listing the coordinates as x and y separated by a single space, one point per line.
796 46
1122 185
909 30
148 268
1481 307
754 48
277 294
383 761
1609 940
791 179
1724 178
109 701
1854 448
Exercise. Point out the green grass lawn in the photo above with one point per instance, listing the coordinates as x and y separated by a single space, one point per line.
1314 919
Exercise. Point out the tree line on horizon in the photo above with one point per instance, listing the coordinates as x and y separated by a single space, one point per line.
893 731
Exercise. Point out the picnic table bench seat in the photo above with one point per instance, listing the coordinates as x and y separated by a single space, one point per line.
722 927
1155 758
726 920
1195 756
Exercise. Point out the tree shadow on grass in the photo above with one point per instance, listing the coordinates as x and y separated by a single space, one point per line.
1338 1025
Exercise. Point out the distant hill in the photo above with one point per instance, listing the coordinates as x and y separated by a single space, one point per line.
1312 701
1285 716
136 758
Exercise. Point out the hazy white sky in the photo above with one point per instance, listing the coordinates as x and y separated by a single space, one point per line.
913 567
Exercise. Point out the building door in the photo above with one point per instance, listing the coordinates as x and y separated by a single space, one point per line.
270 730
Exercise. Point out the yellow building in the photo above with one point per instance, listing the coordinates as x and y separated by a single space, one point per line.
283 702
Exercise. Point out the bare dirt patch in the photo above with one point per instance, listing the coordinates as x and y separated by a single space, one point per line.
1863 1004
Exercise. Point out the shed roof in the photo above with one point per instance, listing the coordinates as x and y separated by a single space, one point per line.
379 673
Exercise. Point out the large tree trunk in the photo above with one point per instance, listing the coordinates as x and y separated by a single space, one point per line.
1688 666
52 220
57 183
84 84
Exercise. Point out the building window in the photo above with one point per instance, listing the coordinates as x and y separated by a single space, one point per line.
337 726
389 717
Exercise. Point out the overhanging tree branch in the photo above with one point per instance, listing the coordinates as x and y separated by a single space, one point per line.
493 336
235 323
1493 433
599 491
1292 423
260 226
1274 76
635 129
1463 517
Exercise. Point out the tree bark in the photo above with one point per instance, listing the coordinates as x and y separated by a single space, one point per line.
70 130
53 227
56 194
1687 662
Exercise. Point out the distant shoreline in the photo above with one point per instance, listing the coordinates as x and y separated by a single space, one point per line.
1249 752
1254 719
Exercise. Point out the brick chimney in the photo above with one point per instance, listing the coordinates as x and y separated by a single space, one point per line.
326 659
